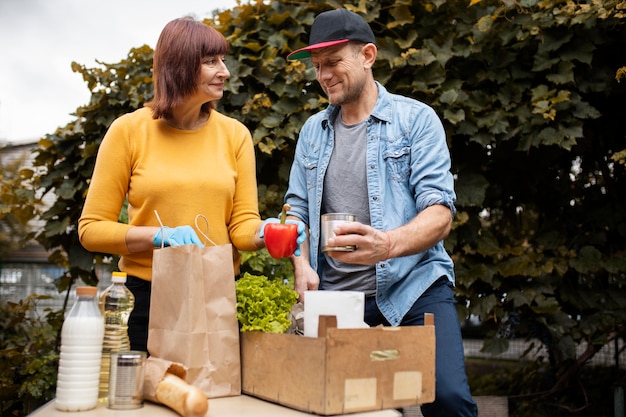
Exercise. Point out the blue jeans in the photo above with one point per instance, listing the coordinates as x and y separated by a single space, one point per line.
452 393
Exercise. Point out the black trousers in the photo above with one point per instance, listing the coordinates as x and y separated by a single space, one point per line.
138 320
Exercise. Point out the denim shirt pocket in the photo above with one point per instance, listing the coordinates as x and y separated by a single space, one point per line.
398 162
311 172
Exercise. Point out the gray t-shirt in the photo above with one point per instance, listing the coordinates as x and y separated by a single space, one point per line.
345 191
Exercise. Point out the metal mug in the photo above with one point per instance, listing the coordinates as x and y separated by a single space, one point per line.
329 222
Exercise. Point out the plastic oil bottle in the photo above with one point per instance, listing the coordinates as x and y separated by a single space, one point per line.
81 350
116 303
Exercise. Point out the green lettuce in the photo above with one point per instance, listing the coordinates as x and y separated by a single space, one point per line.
264 304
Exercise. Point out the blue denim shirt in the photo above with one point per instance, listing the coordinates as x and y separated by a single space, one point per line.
408 170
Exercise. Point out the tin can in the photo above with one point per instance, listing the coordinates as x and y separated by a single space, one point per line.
329 222
126 380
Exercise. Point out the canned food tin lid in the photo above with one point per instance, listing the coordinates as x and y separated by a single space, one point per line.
339 216
129 358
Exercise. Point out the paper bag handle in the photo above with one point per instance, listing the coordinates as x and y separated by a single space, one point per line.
163 229
206 223
204 235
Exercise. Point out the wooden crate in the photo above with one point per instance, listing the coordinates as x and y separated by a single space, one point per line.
342 370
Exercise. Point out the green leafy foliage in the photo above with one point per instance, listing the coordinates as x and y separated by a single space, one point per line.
261 263
28 355
264 304
16 204
531 98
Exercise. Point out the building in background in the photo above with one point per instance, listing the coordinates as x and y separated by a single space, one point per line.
26 270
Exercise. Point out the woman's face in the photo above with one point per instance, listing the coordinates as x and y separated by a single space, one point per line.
212 75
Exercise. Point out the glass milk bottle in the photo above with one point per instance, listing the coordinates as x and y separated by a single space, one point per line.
116 303
81 350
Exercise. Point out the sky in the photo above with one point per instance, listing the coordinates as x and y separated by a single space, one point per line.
39 39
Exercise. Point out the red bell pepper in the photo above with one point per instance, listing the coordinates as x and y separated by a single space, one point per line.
281 238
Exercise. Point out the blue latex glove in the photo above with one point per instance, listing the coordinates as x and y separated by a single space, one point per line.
176 236
301 231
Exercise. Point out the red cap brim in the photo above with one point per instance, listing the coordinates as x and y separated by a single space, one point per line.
305 52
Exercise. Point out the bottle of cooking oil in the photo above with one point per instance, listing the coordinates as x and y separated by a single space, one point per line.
116 303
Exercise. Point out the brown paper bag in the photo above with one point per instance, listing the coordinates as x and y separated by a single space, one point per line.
193 316
155 370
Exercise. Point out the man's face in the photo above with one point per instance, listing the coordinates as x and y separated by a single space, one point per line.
341 72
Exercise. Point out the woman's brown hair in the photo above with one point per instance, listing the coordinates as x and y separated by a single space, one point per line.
177 61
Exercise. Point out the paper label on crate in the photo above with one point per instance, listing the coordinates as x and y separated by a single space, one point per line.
359 393
384 355
407 385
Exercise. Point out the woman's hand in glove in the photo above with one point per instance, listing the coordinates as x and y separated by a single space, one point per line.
176 236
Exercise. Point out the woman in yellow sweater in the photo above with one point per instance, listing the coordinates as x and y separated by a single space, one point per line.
177 156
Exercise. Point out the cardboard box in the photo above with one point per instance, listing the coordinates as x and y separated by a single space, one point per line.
342 370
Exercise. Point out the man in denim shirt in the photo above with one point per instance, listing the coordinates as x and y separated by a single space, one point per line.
384 158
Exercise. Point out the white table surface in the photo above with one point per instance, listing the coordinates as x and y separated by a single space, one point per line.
239 406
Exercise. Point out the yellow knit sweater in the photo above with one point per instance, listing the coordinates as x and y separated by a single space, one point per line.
179 173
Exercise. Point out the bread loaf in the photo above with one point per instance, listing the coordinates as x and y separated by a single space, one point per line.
185 399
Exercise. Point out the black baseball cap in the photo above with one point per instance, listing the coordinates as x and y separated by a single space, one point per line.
333 28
